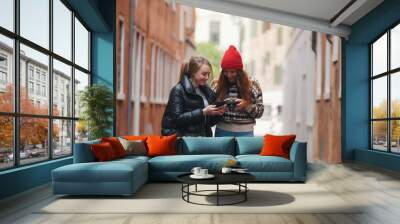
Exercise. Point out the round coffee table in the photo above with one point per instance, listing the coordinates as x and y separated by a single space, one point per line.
238 179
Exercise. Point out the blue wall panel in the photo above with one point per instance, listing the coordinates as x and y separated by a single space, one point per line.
24 178
356 85
102 59
356 100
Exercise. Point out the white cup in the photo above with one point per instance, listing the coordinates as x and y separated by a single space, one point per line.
226 170
196 170
203 172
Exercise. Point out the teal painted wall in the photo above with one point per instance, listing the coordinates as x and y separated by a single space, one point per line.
24 178
99 15
103 63
356 98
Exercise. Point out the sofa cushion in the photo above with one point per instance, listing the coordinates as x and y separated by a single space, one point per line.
277 145
83 152
249 145
132 158
116 145
185 163
161 145
134 147
257 163
103 152
112 171
206 145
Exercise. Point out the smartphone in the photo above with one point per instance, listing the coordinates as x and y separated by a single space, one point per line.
219 103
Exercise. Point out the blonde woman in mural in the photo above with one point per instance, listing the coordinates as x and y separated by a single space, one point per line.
189 111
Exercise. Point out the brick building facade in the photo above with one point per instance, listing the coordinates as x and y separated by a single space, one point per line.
153 39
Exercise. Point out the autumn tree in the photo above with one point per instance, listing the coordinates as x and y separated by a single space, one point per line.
33 131
380 127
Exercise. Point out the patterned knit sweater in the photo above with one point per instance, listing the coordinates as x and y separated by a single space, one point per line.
242 120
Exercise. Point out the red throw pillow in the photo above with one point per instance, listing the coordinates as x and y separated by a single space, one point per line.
161 145
116 145
103 151
277 145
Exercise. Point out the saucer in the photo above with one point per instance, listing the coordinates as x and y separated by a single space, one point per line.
208 176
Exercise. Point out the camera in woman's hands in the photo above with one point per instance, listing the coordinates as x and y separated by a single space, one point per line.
231 103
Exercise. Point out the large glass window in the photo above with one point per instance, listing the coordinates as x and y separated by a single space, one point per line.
62 29
6 142
35 21
40 62
81 45
62 137
62 91
33 140
7 14
385 94
81 81
6 74
39 124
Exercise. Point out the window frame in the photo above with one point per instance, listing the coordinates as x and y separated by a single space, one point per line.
388 74
16 115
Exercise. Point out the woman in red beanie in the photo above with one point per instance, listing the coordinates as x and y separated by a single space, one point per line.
242 95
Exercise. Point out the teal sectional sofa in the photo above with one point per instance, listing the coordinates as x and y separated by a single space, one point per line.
125 176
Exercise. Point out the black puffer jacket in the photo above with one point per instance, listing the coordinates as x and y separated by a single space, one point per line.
184 112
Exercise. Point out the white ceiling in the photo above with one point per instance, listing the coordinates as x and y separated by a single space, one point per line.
321 9
313 15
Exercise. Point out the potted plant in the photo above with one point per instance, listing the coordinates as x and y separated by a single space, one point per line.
96 102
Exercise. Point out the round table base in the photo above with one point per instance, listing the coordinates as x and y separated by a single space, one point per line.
242 191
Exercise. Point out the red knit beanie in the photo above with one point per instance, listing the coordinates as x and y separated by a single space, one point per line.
231 59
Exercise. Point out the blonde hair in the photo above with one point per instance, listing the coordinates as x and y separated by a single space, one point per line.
191 67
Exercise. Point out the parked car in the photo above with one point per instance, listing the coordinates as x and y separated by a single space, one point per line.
22 155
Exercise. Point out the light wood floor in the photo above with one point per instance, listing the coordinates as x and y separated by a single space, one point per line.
379 189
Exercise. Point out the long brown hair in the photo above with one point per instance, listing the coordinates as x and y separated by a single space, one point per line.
191 67
242 83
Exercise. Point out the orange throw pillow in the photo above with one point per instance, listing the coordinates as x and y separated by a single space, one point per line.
161 145
277 145
103 152
116 145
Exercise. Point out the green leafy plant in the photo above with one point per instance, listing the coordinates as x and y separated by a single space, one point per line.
96 102
210 51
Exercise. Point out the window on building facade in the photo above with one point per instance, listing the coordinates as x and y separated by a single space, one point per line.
30 71
3 78
36 139
215 32
120 74
278 75
152 72
266 26
385 94
30 86
3 72
253 28
3 61
143 70
280 36
328 70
